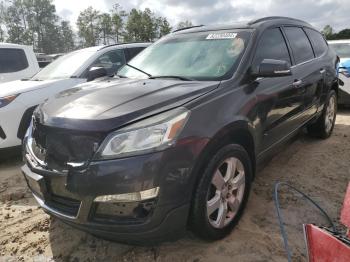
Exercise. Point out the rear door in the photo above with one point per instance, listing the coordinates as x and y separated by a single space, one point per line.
320 47
280 104
307 73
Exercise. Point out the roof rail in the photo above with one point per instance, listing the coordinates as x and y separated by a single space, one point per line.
116 44
187 27
255 21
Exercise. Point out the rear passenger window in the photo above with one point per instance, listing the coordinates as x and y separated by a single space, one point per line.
318 42
12 60
272 46
300 44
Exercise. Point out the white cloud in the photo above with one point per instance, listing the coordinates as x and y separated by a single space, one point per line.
70 9
317 12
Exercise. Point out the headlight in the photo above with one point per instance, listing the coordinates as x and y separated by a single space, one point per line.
152 134
4 101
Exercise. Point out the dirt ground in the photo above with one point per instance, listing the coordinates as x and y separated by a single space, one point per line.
320 168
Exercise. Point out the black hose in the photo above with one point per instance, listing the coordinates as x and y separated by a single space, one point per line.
280 219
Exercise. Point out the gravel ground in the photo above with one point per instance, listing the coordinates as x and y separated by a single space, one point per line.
320 168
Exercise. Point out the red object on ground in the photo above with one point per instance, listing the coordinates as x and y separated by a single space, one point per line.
345 213
323 247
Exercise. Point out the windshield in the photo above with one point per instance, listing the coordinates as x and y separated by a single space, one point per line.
342 49
65 66
196 56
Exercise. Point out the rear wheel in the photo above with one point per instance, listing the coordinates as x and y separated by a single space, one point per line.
324 126
222 193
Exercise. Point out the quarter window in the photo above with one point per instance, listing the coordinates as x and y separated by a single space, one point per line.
300 44
318 42
12 60
272 46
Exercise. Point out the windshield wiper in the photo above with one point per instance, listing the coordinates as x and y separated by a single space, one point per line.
138 69
177 77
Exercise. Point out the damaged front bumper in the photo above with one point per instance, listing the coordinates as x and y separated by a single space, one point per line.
72 195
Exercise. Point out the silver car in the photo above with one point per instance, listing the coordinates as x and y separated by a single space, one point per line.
342 48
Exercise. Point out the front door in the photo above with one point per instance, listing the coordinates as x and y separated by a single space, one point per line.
280 100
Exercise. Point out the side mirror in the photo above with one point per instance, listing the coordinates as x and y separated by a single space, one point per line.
96 72
273 68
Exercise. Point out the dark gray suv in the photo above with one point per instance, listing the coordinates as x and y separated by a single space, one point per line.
174 140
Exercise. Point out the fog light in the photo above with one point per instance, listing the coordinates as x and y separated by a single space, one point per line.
129 197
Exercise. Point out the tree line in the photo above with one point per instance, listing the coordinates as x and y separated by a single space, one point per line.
36 23
331 35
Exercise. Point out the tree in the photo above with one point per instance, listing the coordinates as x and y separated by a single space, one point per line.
148 26
184 24
88 26
2 21
145 26
327 31
67 37
33 22
132 27
16 25
163 26
118 21
105 25
343 34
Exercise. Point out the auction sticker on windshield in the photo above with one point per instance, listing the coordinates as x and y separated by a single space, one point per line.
222 36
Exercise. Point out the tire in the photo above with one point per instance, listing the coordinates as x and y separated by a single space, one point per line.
324 125
207 196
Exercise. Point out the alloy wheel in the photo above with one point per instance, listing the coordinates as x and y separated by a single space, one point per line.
330 114
226 192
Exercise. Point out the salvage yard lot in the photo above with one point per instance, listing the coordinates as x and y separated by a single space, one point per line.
320 168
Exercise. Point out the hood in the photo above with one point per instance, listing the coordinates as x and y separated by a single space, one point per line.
107 105
22 86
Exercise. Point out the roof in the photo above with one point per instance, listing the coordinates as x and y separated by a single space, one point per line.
265 21
9 45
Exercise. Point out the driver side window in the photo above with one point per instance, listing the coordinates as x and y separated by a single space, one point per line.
111 61
272 46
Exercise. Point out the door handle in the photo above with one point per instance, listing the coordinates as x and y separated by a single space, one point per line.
297 83
322 71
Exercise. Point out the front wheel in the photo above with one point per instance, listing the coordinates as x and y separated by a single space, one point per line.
222 193
324 126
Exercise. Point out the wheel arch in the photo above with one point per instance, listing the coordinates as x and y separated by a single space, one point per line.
25 121
240 132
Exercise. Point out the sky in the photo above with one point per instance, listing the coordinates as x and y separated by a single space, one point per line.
317 12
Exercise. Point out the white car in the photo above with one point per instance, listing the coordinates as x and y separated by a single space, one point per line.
17 62
342 48
18 99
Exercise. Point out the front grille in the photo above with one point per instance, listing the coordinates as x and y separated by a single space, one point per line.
64 205
61 146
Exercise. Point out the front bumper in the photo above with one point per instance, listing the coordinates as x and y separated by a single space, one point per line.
70 195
